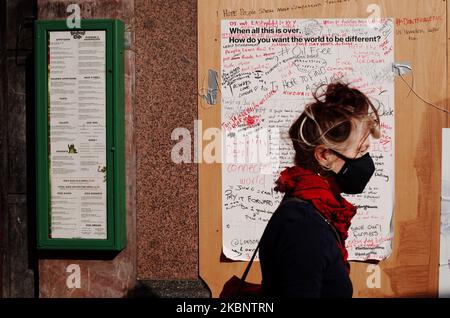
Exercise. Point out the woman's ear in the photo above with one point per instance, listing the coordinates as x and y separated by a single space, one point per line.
327 159
323 156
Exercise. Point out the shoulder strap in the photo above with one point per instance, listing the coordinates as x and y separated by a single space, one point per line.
249 265
247 269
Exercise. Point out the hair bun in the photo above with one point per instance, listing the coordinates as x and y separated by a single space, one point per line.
340 93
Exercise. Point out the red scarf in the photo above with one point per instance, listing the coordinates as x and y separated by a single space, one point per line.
324 194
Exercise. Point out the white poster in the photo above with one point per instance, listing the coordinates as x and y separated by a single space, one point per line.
268 70
77 134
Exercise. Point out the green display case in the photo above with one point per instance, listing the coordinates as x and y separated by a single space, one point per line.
80 151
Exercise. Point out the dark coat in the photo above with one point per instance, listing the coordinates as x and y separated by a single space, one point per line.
299 256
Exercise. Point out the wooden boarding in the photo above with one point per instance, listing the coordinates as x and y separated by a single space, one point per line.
421 38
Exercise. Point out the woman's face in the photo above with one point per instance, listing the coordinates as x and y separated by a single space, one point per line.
355 146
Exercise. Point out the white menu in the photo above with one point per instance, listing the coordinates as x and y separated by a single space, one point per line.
77 134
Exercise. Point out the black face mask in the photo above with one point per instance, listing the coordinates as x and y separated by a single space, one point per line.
355 174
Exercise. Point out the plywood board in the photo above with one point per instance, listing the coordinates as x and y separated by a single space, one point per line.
421 39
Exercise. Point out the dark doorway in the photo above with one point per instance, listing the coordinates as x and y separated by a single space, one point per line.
18 260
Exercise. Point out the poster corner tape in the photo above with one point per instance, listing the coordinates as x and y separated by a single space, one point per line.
401 68
213 86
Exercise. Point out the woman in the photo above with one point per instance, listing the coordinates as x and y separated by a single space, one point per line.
302 251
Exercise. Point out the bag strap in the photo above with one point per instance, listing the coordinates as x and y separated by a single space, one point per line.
247 269
249 265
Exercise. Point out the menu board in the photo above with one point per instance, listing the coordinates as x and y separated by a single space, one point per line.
77 134
269 69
